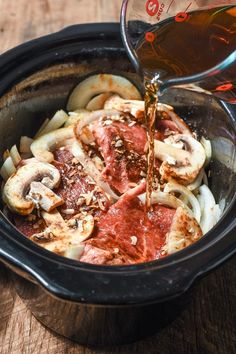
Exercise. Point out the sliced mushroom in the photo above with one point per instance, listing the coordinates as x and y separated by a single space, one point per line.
64 237
182 165
102 83
74 252
41 147
28 161
184 231
44 197
134 107
183 127
17 186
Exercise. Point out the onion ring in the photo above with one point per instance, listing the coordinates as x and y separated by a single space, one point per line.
90 169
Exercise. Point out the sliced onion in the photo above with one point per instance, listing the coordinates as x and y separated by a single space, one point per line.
208 150
7 169
164 198
14 153
76 116
198 181
25 143
192 200
41 147
92 117
222 205
98 163
201 202
57 121
101 83
98 101
45 123
183 199
91 170
6 154
210 210
205 179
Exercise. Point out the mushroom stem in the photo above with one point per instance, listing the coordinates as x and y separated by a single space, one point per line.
17 186
44 197
65 237
182 165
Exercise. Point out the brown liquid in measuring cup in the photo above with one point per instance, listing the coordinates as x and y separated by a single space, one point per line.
182 47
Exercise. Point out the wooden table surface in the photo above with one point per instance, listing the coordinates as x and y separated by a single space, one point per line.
209 323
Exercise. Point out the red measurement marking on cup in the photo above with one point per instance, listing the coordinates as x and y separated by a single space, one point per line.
181 17
188 7
170 6
150 37
152 7
226 87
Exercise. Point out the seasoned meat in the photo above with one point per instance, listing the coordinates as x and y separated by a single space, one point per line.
122 148
126 234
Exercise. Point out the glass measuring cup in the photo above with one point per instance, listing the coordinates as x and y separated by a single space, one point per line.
183 43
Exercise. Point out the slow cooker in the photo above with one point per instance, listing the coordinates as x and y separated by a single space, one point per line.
104 305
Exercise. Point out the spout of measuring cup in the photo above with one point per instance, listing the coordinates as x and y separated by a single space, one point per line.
219 81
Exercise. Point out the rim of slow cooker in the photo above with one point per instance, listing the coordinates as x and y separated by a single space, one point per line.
157 280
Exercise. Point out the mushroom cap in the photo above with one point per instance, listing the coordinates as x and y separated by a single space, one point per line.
64 237
182 165
18 185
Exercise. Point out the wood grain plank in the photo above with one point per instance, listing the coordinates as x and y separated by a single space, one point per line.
206 326
23 20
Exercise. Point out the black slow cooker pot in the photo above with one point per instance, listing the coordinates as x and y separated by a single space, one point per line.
101 305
